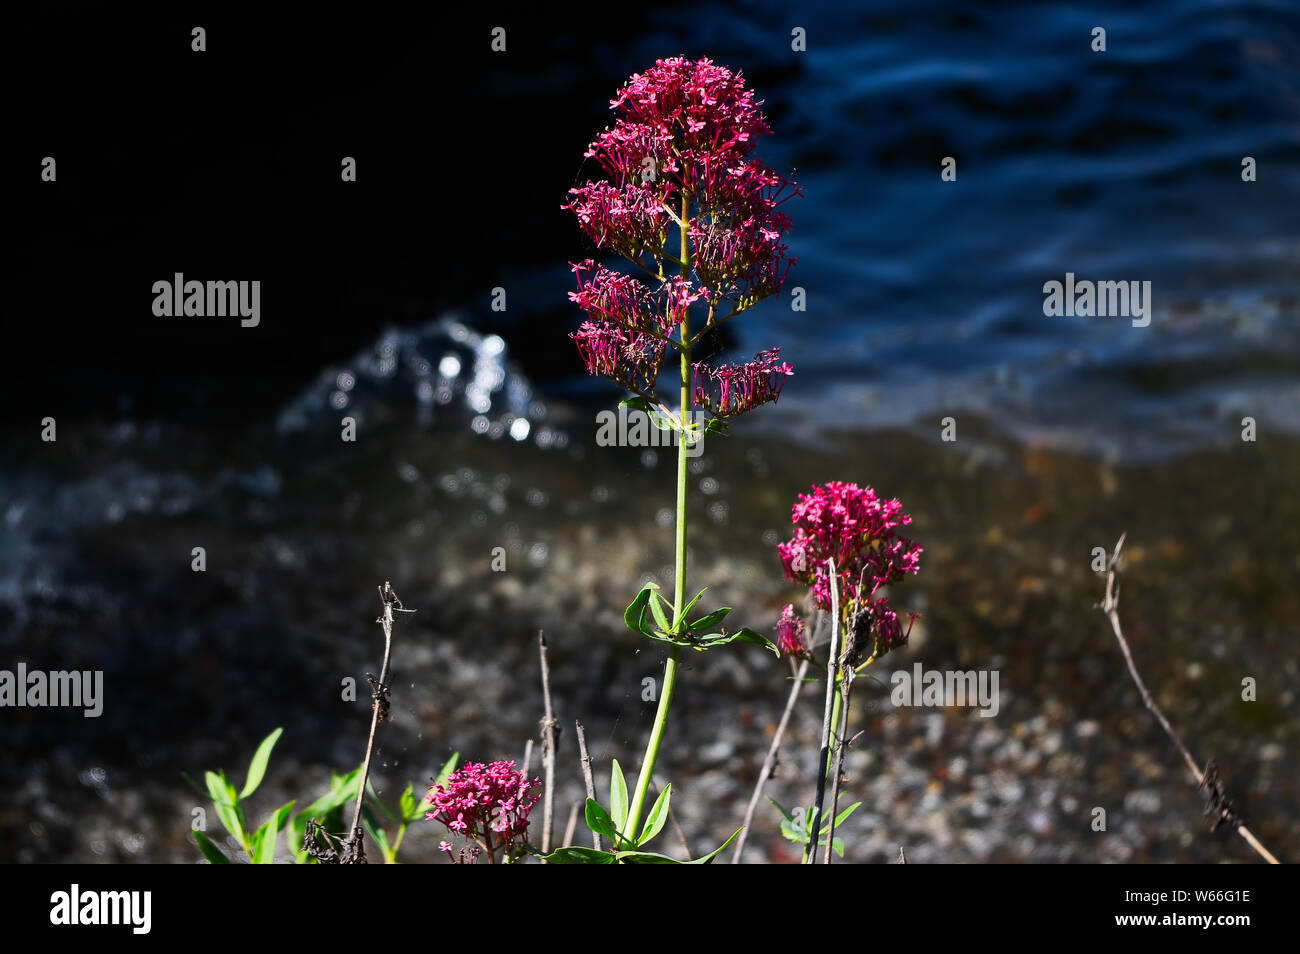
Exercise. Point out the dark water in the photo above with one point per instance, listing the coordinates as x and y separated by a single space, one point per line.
926 296
925 300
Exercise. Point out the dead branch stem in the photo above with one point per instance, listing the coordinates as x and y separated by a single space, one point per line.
1220 808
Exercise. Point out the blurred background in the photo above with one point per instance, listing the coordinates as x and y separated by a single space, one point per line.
477 427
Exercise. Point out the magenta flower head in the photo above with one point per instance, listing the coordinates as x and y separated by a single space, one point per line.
734 389
486 804
789 633
876 616
859 531
699 219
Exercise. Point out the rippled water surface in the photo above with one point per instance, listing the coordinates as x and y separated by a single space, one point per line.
1117 166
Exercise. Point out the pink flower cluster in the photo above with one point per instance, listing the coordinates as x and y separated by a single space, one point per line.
706 104
487 804
882 619
738 247
737 388
859 530
627 335
683 131
630 220
789 633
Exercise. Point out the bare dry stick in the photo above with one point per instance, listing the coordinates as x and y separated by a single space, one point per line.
832 668
528 757
353 851
902 858
846 686
586 775
571 827
548 748
1219 807
769 763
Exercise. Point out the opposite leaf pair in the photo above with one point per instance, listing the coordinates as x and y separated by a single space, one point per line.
696 635
610 824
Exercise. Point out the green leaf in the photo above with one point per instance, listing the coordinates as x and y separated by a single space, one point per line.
744 635
665 638
645 858
406 804
216 788
617 797
342 790
839 819
598 820
708 859
784 814
210 851
717 426
447 768
634 615
374 797
263 849
576 855
257 767
282 815
747 635
687 608
377 833
654 858
223 797
710 621
657 417
654 822
264 840
665 422
658 612
795 825
232 798
417 807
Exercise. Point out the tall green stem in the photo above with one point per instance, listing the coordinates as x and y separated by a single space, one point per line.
679 566
835 722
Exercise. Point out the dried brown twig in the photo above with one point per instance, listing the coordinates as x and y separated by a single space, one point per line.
1219 808
572 826
586 775
351 850
548 748
769 763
